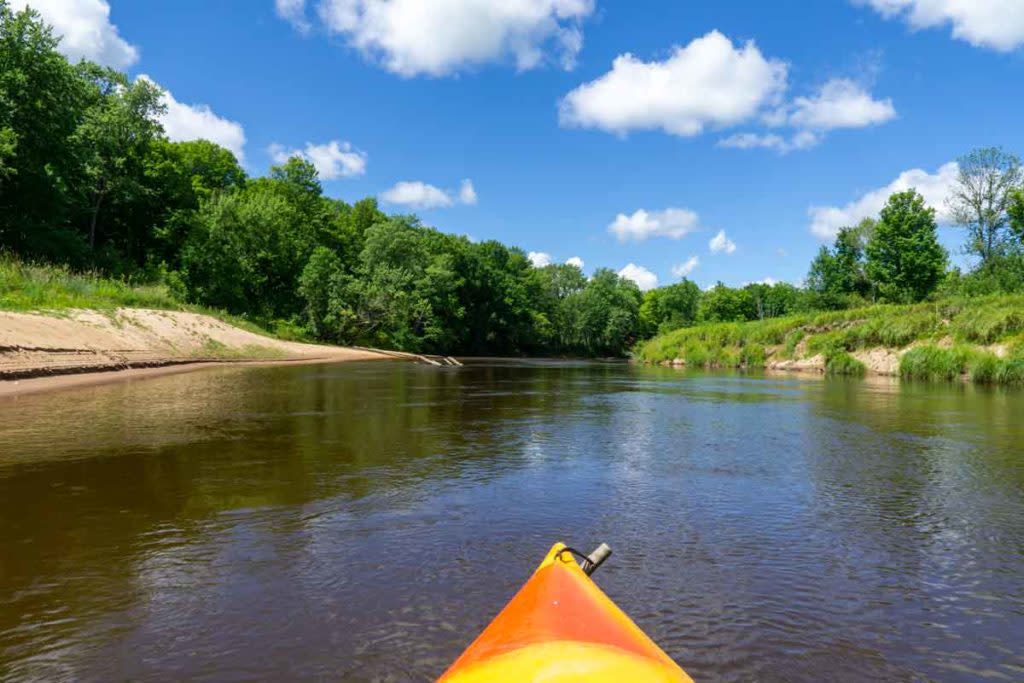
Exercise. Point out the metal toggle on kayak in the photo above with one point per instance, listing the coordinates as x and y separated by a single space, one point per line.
561 627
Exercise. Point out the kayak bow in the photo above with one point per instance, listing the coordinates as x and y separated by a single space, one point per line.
561 627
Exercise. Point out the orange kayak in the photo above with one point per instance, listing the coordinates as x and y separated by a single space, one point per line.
561 627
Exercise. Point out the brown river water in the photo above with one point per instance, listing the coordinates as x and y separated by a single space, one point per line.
365 521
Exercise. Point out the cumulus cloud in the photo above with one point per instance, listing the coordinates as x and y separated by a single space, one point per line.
934 187
422 195
441 37
840 103
709 82
417 194
467 193
183 122
684 269
721 244
644 278
332 160
85 30
294 12
995 24
575 261
539 259
642 224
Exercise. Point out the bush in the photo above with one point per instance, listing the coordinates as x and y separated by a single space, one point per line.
843 363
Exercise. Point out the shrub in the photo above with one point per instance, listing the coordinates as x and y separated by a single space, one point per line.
842 363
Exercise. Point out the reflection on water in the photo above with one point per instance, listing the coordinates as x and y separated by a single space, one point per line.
365 521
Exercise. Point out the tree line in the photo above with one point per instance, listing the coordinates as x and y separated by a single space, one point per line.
88 178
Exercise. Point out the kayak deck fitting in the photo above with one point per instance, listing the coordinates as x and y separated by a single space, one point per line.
561 627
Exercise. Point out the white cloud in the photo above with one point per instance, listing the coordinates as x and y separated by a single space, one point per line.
441 37
996 24
934 187
720 244
332 160
575 261
754 141
85 30
770 281
467 193
417 194
183 122
644 278
710 82
294 12
539 259
642 224
801 140
840 103
420 195
684 269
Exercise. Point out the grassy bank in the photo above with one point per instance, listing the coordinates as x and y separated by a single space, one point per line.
27 287
981 339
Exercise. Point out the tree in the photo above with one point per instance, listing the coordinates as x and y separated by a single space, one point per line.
772 300
41 100
982 197
114 137
179 177
1016 214
840 273
247 253
669 308
904 257
605 315
725 304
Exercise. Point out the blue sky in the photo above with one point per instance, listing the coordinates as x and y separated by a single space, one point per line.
738 116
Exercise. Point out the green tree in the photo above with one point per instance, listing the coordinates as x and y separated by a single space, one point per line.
839 273
725 304
247 253
772 300
669 308
904 257
1015 211
41 101
981 200
328 293
179 177
113 140
605 316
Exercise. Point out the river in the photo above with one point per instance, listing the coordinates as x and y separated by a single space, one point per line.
365 521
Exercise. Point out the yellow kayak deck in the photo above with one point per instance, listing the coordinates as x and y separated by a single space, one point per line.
561 627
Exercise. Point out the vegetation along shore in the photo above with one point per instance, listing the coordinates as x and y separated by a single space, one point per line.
99 210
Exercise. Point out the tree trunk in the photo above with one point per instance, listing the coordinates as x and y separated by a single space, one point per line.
101 192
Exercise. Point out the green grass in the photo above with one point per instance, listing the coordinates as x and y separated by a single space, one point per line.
843 363
30 287
933 363
948 338
27 287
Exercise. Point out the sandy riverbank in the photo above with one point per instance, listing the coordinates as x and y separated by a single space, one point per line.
73 348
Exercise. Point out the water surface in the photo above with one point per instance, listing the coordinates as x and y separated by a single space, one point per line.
365 521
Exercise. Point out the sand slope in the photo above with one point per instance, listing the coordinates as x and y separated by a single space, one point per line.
77 341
